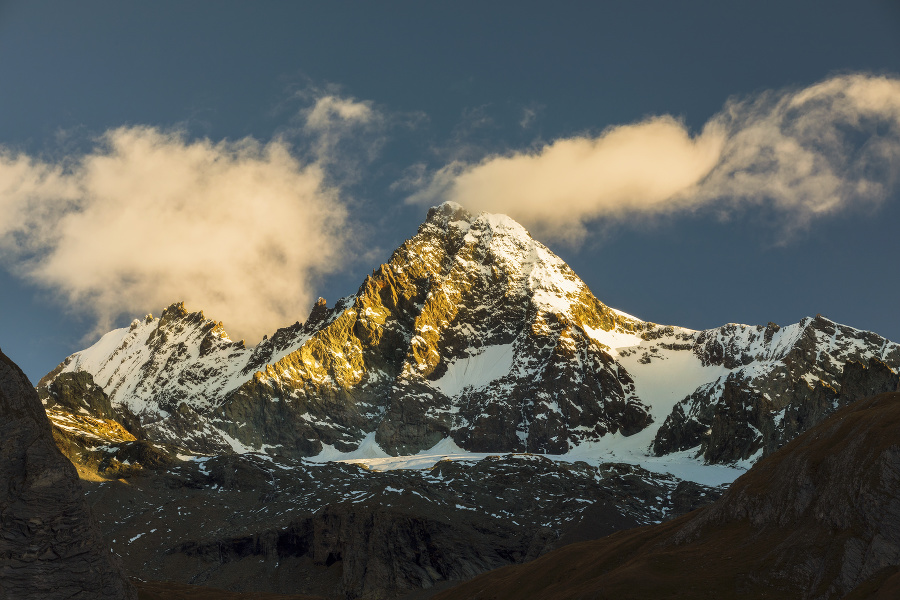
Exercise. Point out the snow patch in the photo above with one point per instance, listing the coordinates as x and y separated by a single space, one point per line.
368 449
476 372
613 339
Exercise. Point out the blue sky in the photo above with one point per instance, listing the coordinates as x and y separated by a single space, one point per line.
128 115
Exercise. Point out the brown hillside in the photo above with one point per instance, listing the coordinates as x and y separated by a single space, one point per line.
818 519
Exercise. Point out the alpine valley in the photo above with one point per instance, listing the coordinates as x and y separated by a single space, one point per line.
473 405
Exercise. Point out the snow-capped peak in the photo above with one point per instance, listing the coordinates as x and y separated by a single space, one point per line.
474 331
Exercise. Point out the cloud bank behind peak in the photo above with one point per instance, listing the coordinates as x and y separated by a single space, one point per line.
806 152
241 229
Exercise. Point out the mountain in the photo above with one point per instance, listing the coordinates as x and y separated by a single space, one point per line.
472 332
319 461
817 519
50 545
468 309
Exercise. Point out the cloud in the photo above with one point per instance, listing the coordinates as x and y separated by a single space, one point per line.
529 114
241 229
344 131
808 153
343 134
330 109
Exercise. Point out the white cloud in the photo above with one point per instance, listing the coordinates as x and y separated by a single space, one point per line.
342 133
808 152
330 109
239 229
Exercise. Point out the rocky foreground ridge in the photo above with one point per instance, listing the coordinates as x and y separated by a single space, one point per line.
50 545
476 332
253 523
818 519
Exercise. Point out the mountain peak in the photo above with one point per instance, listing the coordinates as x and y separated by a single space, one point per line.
476 333
450 214
446 213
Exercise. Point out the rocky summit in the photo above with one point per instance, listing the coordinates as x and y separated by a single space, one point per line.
472 332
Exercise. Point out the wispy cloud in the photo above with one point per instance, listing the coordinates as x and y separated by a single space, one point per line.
241 229
342 132
529 115
807 152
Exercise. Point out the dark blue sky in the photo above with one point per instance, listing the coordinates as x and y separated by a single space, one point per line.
465 73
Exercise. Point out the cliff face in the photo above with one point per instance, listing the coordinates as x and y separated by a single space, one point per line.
50 546
472 330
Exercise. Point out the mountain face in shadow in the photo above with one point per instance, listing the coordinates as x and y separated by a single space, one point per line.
50 545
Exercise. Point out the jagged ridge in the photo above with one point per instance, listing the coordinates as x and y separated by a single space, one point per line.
475 331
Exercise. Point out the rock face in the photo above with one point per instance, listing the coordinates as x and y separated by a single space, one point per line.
790 380
817 519
50 546
475 332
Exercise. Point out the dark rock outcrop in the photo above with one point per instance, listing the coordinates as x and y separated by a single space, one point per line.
253 523
78 394
386 551
50 546
168 590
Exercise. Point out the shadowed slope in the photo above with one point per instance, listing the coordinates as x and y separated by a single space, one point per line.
167 590
817 519
50 547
